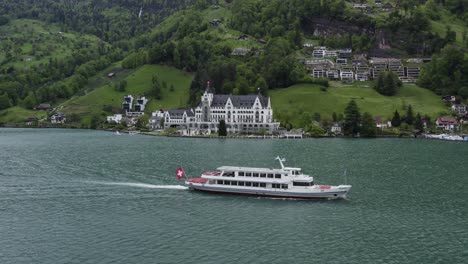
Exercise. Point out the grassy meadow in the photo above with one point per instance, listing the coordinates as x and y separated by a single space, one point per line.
291 102
138 83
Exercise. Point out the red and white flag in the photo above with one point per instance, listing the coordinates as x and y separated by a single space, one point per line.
180 173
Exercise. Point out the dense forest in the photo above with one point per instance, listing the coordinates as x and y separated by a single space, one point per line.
129 30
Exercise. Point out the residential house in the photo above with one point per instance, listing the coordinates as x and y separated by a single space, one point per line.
336 128
319 52
111 75
117 118
447 123
333 74
240 52
31 120
140 104
388 7
344 53
341 61
215 22
459 109
346 75
127 104
156 121
57 118
378 3
449 98
381 124
44 107
319 72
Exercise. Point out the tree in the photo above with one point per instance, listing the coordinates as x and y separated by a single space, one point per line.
352 119
317 117
4 101
387 83
315 131
368 128
409 116
418 124
396 120
222 132
335 117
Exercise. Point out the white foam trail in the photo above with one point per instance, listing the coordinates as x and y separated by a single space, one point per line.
144 185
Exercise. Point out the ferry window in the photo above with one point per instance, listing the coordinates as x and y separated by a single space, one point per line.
233 183
270 175
301 184
278 176
263 175
262 184
228 174
241 173
220 182
255 184
248 184
241 183
255 174
227 182
248 174
284 186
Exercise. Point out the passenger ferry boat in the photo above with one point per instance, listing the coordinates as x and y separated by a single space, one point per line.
286 182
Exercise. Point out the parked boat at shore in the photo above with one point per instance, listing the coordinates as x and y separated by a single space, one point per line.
286 182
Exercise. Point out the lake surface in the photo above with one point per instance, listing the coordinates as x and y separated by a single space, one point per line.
78 196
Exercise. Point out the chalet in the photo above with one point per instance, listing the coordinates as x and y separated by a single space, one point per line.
43 107
57 118
449 98
380 124
117 118
446 123
378 3
459 109
243 37
240 52
388 7
31 120
215 22
336 128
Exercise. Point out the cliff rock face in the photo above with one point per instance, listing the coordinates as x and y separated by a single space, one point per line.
327 27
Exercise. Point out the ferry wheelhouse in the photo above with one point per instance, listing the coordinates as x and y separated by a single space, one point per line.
286 182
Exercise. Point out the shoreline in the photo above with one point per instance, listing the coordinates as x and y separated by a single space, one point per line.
241 136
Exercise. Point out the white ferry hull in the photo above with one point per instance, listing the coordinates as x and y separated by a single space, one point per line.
338 192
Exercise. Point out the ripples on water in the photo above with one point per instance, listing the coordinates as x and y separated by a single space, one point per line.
73 196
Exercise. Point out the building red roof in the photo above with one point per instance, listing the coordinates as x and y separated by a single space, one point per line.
446 120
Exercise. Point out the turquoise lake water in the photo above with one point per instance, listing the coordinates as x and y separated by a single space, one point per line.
79 196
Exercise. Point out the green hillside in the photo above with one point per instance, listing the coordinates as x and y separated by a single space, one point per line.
290 103
27 42
138 83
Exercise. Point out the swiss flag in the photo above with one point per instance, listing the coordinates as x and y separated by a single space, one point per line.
180 173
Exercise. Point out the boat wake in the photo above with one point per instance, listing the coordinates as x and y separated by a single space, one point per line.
143 185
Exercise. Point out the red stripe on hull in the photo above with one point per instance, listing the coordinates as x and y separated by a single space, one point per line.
268 195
